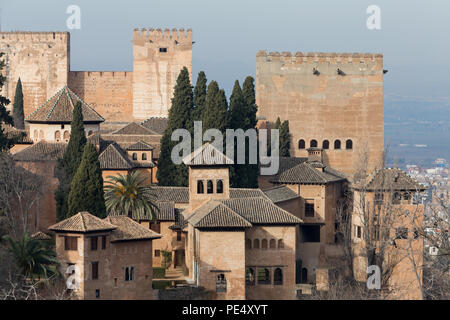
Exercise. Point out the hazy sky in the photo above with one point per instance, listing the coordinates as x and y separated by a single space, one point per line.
414 35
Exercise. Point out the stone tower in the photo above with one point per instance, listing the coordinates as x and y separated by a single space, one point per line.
332 101
157 60
40 59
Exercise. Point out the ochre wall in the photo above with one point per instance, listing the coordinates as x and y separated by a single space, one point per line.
326 106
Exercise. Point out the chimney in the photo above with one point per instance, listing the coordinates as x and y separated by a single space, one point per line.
315 155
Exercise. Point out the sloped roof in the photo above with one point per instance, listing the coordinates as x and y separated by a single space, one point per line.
82 222
246 193
156 124
21 136
114 158
140 146
214 214
176 194
306 173
393 179
40 236
134 128
260 211
59 109
207 155
286 163
129 230
180 222
41 151
280 193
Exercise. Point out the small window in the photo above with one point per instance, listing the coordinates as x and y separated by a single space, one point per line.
89 132
250 277
349 144
95 270
115 282
278 277
396 198
103 242
359 232
66 135
134 156
70 243
131 273
178 235
57 135
272 244
325 144
301 144
162 49
144 156
337 144
256 244
94 242
97 293
313 143
310 233
62 126
209 186
219 186
263 276
221 283
157 253
248 244
309 208
401 233
200 188
280 244
155 226
304 278
127 274
264 244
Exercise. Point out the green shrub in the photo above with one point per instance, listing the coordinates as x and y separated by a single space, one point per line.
161 285
159 273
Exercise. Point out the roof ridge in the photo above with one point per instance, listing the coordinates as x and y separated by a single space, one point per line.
54 105
83 223
82 102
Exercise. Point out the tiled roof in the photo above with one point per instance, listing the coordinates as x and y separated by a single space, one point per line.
166 210
140 146
134 128
260 211
128 230
214 214
207 155
114 158
156 124
393 179
21 135
246 193
41 151
306 173
59 109
180 222
175 194
82 222
280 193
40 236
285 163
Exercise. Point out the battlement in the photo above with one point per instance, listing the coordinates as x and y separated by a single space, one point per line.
34 36
158 34
102 74
314 57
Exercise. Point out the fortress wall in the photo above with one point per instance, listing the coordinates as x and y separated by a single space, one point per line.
109 93
40 59
328 105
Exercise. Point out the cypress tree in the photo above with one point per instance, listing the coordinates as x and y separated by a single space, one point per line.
248 91
18 107
86 190
278 123
180 116
216 109
5 118
199 96
236 121
67 166
285 139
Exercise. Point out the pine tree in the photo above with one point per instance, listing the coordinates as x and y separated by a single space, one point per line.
199 96
18 107
5 118
67 166
86 190
180 116
285 139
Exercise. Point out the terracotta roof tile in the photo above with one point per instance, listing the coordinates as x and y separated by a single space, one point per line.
280 193
113 157
82 222
134 128
129 230
214 214
156 124
175 194
306 173
41 151
393 179
140 146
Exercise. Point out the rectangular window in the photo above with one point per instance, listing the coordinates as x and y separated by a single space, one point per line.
162 49
97 293
358 232
309 208
103 242
95 270
310 233
115 282
94 242
157 253
155 226
178 235
70 243
401 233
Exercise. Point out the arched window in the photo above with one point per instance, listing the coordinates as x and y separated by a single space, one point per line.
280 244
209 186
66 135
325 144
41 134
134 156
301 144
200 188
250 277
278 276
219 186
313 144
221 283
264 244
349 144
248 244
256 244
144 156
36 134
272 244
263 276
57 135
304 275
131 273
337 144
127 274
89 132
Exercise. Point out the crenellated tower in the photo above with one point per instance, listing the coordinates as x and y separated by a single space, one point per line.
158 58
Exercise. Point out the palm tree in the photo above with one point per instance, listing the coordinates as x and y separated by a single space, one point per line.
33 257
128 194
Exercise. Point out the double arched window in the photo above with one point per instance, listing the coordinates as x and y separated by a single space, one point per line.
209 186
144 156
272 244
134 156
